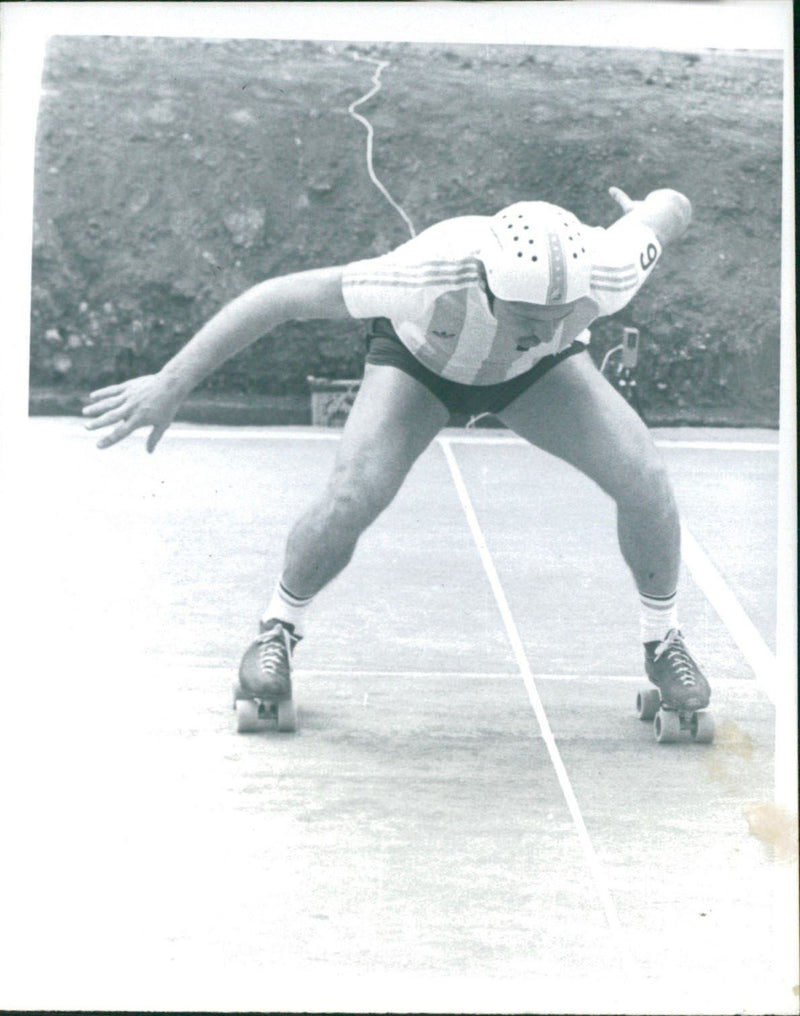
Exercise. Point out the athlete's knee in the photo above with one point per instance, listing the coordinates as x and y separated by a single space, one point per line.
358 492
645 482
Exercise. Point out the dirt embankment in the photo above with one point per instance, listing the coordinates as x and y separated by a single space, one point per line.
173 174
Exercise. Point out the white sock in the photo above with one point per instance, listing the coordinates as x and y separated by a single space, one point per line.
659 615
285 606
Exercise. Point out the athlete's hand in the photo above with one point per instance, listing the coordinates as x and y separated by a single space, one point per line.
147 401
667 212
622 199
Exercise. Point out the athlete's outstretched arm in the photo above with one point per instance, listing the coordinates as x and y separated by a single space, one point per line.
667 212
153 400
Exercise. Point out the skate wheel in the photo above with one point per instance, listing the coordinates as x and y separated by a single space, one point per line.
287 716
247 716
667 726
703 728
648 702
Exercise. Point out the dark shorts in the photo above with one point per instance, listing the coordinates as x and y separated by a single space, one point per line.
385 348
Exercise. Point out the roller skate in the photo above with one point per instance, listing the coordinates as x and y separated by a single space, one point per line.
262 697
678 702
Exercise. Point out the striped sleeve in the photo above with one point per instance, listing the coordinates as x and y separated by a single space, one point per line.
363 295
397 288
623 260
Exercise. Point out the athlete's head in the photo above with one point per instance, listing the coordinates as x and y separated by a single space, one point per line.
536 253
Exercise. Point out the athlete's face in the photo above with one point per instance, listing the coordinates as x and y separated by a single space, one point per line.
529 324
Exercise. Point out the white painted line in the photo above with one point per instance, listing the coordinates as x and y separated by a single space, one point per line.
335 435
228 432
600 881
744 633
725 446
735 684
742 685
718 446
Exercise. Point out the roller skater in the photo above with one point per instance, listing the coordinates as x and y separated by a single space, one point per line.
477 314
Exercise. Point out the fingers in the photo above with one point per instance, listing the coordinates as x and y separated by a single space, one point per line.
155 436
112 416
110 411
117 434
104 393
107 406
102 406
126 407
129 420
621 198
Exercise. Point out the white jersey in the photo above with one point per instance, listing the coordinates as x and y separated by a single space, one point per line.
433 289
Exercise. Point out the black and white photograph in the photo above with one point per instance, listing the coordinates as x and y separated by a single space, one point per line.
398 439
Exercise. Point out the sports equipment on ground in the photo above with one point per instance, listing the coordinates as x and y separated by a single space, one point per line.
677 703
262 697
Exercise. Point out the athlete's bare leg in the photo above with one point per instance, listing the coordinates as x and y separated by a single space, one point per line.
394 418
574 413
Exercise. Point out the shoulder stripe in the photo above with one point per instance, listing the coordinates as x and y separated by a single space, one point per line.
387 262
399 268
618 288
606 276
614 280
631 267
415 270
414 283
414 277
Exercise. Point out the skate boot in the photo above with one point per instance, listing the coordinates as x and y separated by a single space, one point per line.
263 695
681 693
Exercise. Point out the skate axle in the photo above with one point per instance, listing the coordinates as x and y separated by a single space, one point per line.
670 725
254 714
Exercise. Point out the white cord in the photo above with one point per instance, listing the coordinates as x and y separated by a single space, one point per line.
376 81
474 419
608 355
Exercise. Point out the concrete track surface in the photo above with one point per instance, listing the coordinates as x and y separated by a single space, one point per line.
413 846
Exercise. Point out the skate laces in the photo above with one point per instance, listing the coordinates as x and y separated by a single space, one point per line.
675 651
274 653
